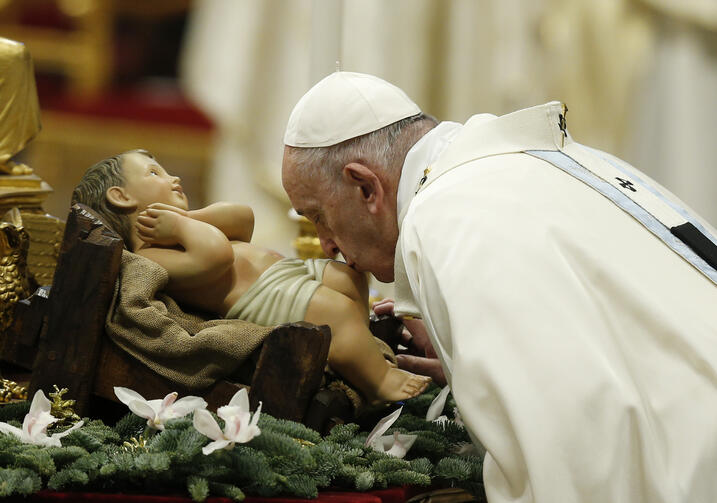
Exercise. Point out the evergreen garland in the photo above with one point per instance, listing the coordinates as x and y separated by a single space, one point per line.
287 458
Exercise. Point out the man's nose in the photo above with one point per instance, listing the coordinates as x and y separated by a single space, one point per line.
329 247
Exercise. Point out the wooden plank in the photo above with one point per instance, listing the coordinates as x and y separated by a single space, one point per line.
81 293
327 409
119 368
388 329
289 370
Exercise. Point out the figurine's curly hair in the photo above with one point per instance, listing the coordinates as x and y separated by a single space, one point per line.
92 191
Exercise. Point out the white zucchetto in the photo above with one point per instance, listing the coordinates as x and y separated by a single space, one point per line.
345 105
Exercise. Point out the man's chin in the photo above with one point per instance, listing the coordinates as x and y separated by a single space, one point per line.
383 276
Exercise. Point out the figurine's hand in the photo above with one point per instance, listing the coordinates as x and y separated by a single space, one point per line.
159 226
168 207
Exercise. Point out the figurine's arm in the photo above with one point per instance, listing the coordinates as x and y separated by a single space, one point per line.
235 220
193 252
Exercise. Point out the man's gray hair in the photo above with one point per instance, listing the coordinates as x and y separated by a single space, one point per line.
384 149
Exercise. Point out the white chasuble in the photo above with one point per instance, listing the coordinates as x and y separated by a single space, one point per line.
580 348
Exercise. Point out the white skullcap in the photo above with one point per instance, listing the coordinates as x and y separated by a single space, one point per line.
345 105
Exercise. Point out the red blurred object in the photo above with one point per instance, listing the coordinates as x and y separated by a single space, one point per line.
391 495
160 103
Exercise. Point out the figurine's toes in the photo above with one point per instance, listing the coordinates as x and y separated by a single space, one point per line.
416 384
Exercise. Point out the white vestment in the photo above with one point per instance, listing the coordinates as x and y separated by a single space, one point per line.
580 349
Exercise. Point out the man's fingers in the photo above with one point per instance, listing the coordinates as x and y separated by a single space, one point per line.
406 336
384 306
430 367
415 326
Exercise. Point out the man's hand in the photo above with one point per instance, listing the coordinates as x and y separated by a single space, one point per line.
157 226
420 357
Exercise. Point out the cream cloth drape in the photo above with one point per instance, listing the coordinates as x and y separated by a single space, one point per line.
247 62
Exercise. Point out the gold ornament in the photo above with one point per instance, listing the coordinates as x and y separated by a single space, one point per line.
14 280
135 444
11 391
307 244
62 409
19 107
302 442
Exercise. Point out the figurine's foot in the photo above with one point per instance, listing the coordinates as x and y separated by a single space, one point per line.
400 385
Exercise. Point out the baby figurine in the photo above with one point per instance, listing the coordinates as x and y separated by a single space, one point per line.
213 267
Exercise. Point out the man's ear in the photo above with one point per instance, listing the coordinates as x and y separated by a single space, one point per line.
366 183
117 196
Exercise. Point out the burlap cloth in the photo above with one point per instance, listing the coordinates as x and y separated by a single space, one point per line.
189 349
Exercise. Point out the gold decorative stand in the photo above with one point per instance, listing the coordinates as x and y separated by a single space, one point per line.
30 240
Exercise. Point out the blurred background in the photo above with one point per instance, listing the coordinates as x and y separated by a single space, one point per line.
208 85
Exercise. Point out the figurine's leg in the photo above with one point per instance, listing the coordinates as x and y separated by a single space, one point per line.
354 354
341 278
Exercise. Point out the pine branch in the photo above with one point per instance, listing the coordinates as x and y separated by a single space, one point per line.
36 459
198 488
18 481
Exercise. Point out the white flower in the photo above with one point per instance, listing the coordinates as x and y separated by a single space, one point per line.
239 425
437 405
457 417
34 427
157 412
469 449
397 444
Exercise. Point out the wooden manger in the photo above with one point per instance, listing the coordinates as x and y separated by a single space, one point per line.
59 334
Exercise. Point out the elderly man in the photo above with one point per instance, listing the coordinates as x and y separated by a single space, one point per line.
571 300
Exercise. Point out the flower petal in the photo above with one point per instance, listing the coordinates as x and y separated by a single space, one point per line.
68 430
383 425
35 426
10 429
47 441
401 444
436 407
142 409
457 417
255 418
233 425
228 411
240 399
39 404
182 407
467 449
213 446
205 424
169 400
126 395
246 431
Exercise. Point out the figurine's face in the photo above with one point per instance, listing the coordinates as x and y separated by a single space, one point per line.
147 182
